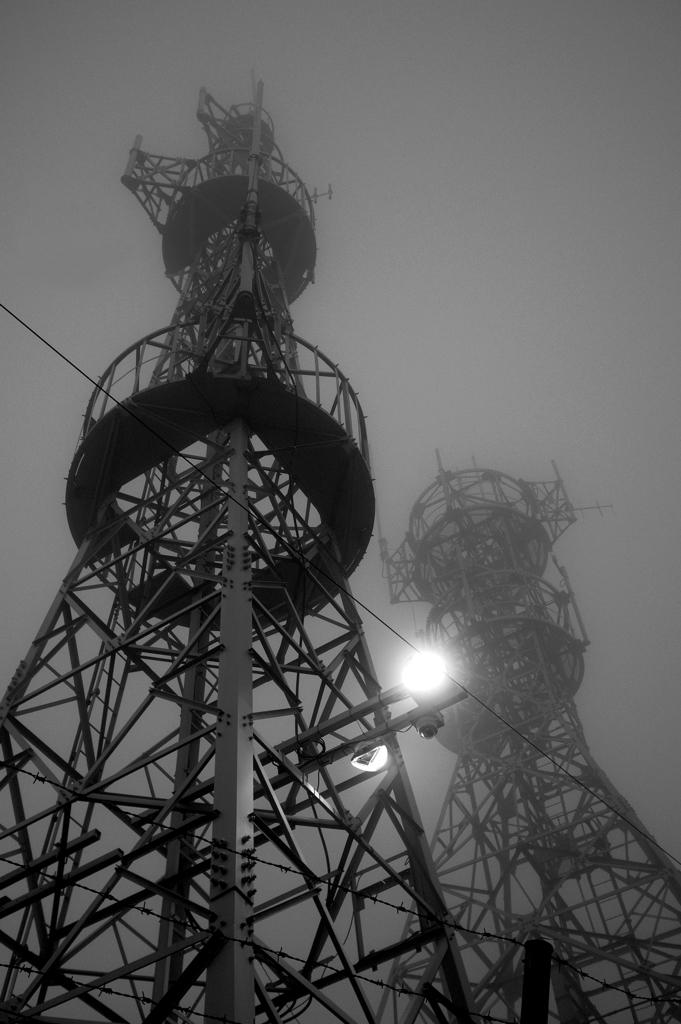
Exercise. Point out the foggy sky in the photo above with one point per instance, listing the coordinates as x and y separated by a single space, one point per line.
498 273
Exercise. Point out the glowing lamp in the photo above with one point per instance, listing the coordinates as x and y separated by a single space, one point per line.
423 672
370 759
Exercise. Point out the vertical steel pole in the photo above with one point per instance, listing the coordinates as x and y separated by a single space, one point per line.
536 982
229 981
172 926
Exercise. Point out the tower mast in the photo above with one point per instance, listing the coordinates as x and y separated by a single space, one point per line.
183 835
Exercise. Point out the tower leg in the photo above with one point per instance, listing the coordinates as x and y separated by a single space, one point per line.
229 982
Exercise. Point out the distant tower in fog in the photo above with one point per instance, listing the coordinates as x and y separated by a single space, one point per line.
533 840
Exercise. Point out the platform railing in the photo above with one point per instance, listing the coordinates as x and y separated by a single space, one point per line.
160 182
508 597
470 490
171 354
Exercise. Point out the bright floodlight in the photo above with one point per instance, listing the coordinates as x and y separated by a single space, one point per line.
370 759
423 672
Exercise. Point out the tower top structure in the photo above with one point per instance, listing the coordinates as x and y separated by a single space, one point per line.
196 204
238 241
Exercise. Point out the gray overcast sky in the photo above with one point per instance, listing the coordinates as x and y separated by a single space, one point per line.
498 273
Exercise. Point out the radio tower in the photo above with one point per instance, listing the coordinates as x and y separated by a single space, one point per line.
185 830
533 840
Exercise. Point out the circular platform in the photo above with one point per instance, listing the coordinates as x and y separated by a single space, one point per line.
480 595
156 423
487 537
470 489
519 665
217 202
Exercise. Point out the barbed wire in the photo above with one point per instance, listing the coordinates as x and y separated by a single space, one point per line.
284 868
289 869
399 989
430 918
484 934
562 962
107 990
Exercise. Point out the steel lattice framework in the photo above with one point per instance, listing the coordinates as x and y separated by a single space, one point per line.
533 839
181 831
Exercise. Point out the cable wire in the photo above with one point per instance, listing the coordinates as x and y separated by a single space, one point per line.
308 567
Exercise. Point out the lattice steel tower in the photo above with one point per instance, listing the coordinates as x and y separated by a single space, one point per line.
533 839
182 831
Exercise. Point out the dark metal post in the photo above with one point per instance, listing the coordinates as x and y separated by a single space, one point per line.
536 982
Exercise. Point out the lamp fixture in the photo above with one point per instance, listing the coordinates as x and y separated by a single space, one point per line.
423 672
369 758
